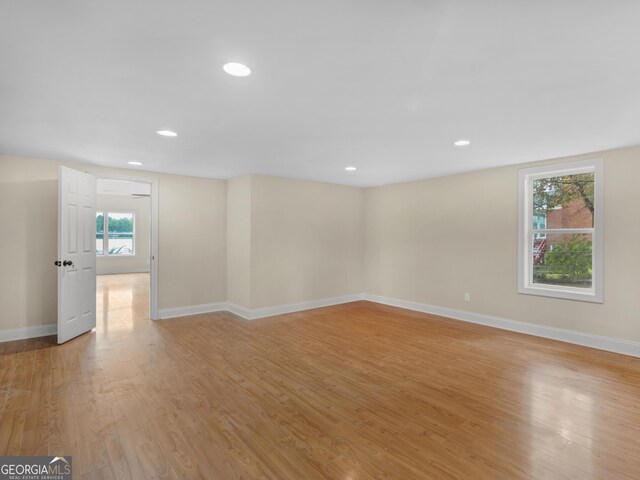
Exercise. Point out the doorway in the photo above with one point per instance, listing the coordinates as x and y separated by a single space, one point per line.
81 217
126 251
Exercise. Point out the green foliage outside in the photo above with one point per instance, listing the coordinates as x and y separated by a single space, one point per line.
116 225
568 262
556 192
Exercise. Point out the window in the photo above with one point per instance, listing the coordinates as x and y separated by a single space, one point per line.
560 231
115 233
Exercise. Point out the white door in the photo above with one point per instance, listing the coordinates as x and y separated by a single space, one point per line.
76 253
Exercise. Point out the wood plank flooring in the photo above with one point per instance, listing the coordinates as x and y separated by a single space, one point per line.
355 391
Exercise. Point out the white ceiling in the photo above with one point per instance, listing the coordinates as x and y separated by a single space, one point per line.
386 86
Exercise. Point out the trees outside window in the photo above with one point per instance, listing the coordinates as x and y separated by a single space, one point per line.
115 233
560 231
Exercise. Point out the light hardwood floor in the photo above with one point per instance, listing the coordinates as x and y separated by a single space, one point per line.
355 391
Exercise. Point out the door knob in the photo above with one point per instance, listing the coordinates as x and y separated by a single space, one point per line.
58 263
67 263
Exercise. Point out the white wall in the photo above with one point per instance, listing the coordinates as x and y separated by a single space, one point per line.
431 241
292 241
141 207
192 239
239 241
28 242
306 241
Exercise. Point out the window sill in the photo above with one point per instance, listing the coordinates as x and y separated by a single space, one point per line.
567 294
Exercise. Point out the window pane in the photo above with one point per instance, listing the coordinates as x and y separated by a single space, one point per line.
120 241
563 259
563 202
99 233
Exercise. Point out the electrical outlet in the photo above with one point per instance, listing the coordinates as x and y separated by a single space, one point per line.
467 297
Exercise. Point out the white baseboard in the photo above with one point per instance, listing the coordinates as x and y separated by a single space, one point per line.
192 310
246 313
243 312
624 347
256 313
119 271
28 332
609 344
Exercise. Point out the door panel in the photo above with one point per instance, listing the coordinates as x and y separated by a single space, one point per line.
76 253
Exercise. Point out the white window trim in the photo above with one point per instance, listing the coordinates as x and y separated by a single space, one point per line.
525 231
105 235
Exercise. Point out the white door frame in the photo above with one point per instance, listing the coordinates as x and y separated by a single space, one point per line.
154 260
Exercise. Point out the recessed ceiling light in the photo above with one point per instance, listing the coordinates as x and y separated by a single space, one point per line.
463 142
134 163
166 133
237 69
350 169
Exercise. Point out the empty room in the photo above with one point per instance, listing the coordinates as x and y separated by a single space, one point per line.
337 239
